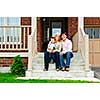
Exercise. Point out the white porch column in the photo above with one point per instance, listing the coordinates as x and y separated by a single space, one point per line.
81 22
31 45
34 31
87 53
80 25
29 69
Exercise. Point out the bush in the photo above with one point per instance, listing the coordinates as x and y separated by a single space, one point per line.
17 66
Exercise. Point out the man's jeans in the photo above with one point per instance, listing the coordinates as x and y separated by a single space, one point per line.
48 56
67 56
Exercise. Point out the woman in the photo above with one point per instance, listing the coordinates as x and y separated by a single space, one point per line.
57 50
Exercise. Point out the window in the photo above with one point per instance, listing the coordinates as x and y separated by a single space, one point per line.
1 35
1 20
9 21
13 21
56 27
96 33
93 33
9 30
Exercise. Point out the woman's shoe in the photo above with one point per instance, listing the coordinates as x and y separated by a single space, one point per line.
63 69
67 69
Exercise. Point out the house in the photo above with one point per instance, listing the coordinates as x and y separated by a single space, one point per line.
14 33
27 35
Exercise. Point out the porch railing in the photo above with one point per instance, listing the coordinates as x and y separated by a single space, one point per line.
84 48
14 37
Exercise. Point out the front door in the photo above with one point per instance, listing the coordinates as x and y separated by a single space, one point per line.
52 25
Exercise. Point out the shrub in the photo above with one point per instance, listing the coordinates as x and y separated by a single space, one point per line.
17 66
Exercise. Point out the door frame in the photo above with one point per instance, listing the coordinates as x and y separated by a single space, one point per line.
50 25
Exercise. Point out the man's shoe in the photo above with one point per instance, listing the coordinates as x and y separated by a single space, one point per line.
57 69
45 69
60 68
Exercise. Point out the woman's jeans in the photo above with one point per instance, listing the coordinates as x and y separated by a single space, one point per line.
65 59
48 56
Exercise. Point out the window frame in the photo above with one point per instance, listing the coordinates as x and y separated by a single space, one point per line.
93 30
55 29
7 27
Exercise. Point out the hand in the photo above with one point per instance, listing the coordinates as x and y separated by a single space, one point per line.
50 51
61 53
53 51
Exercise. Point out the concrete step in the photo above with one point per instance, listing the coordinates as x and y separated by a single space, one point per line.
41 61
60 74
53 74
52 66
77 69
76 62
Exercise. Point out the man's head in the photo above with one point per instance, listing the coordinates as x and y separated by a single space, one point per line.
64 36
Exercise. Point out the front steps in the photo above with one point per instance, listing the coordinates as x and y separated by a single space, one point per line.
57 74
76 70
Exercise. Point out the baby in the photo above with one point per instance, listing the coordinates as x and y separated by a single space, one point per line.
51 45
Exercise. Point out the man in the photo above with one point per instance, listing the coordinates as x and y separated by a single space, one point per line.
66 52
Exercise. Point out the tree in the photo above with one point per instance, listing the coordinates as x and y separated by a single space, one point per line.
17 67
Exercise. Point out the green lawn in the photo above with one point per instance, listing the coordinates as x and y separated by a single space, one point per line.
9 78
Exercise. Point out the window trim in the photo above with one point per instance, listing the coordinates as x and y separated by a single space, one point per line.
10 26
93 36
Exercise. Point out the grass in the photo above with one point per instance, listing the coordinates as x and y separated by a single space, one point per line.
10 78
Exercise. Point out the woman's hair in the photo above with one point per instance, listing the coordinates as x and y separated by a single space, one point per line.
59 38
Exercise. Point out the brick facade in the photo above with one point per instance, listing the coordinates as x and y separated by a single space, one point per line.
39 34
25 20
7 61
92 20
72 25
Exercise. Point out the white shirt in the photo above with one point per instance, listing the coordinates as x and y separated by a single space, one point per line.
66 46
51 46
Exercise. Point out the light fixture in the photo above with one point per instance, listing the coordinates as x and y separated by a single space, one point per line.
44 19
